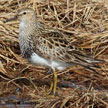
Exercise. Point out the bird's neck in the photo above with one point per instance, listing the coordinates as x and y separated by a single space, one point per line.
26 25
26 30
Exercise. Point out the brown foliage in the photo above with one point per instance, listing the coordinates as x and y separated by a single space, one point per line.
84 19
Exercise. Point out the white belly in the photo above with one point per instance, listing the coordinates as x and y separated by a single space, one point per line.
36 59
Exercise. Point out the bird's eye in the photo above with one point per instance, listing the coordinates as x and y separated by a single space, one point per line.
24 13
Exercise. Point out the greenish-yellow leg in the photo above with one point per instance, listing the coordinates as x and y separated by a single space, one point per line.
53 86
55 82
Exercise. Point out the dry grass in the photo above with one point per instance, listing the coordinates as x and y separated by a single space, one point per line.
84 19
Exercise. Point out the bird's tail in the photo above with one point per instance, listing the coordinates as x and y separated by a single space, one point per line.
87 61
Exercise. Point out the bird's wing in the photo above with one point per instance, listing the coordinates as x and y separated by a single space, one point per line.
52 45
56 46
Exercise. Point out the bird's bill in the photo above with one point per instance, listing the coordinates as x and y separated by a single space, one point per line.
11 19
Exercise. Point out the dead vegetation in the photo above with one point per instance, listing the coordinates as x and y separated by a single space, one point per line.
87 20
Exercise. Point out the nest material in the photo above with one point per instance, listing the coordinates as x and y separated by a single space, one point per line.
87 20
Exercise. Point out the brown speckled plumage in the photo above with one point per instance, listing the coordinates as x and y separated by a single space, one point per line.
48 43
46 46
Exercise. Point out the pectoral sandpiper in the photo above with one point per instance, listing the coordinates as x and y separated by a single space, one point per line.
48 47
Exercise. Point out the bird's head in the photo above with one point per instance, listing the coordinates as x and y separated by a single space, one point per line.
23 14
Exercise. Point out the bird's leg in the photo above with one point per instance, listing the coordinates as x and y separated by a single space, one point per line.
53 86
55 81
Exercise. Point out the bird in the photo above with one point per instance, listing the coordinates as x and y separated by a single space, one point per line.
45 46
